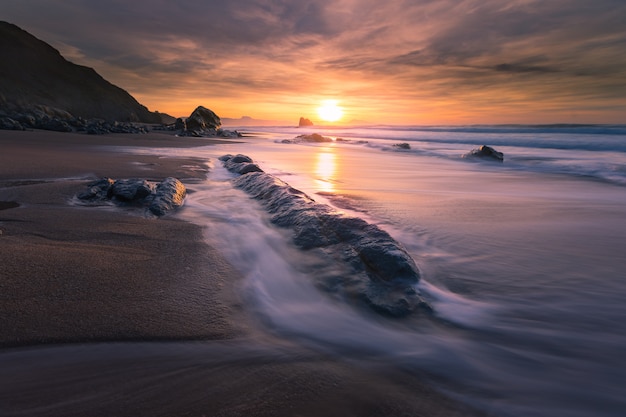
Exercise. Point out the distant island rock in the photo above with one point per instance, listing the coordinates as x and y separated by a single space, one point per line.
485 152
304 122
41 89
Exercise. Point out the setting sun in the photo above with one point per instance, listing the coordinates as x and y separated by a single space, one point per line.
329 111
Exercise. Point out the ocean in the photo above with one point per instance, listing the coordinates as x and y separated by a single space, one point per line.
523 262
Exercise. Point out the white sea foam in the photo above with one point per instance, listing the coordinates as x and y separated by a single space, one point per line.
522 262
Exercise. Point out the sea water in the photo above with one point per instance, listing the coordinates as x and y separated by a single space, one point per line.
524 262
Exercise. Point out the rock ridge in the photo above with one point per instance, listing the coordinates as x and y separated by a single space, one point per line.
378 270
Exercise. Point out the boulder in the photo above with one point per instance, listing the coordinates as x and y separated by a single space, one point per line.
7 123
169 195
376 269
313 137
223 133
131 189
158 198
304 122
485 152
240 164
97 190
180 124
202 119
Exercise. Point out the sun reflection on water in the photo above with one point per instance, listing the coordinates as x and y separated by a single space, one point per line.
325 168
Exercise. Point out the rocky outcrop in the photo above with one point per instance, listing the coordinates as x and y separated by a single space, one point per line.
313 137
376 269
239 164
201 123
304 122
202 119
48 118
485 152
156 198
33 74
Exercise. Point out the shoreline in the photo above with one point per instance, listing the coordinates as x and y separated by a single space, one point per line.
97 273
145 310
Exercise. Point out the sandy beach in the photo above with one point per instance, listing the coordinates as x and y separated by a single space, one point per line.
76 281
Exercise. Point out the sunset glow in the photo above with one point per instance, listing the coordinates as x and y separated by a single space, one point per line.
329 111
397 62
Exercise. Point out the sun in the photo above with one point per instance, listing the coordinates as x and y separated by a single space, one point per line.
329 111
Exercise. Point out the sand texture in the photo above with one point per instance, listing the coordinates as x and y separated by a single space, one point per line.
71 275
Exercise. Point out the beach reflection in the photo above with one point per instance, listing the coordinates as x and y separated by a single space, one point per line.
325 170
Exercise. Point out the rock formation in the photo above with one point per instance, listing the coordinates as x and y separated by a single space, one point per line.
157 198
304 122
376 269
203 122
36 80
313 137
485 152
202 119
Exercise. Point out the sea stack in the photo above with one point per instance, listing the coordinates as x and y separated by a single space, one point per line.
304 122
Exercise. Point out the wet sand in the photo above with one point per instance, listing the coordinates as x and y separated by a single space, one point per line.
106 312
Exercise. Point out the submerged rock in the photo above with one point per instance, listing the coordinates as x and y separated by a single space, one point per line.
158 198
485 152
312 137
377 269
404 146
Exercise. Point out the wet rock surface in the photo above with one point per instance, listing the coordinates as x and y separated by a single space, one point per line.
377 270
157 198
202 122
485 152
310 138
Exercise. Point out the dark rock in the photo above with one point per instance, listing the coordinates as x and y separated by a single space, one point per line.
159 198
404 146
313 137
240 158
169 194
240 164
6 123
485 152
131 189
27 120
180 124
202 119
378 270
304 122
97 190
55 124
223 133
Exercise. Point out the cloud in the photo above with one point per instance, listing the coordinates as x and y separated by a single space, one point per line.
412 53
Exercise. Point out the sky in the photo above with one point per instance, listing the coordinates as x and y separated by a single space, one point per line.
385 62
